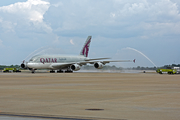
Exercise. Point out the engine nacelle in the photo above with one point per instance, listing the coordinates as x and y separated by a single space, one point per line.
24 66
75 67
98 65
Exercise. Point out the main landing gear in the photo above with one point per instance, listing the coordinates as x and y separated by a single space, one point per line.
61 71
52 71
68 71
32 70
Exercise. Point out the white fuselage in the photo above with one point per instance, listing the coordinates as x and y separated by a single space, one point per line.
48 61
65 62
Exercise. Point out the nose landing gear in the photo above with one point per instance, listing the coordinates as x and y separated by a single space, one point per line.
33 70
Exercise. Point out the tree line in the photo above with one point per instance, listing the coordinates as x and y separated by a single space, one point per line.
11 66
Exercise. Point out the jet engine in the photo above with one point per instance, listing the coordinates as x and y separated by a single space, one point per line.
98 65
23 65
75 67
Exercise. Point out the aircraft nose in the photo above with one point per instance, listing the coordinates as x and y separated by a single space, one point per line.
31 65
28 64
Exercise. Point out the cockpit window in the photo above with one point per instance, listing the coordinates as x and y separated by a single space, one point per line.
32 59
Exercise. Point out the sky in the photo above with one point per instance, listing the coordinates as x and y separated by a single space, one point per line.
145 30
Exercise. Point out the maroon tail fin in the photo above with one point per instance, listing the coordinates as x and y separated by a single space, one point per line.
85 49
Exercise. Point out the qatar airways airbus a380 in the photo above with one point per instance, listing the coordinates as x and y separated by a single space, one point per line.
65 62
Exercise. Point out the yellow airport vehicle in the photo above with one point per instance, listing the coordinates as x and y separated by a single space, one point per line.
168 71
11 70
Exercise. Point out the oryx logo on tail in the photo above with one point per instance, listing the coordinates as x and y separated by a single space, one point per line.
85 49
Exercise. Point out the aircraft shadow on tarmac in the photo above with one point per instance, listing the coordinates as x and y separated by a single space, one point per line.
53 117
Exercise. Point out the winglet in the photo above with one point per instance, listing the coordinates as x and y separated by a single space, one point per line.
134 60
85 48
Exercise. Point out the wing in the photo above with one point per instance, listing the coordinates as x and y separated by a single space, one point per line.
104 62
66 65
61 65
96 59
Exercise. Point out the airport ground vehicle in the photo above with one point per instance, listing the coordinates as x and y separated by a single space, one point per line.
178 70
168 70
11 70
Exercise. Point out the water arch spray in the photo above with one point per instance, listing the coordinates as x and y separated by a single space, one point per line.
141 54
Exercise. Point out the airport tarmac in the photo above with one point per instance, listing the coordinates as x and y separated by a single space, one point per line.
90 96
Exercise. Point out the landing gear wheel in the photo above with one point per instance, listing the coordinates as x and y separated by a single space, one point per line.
33 71
60 71
52 71
69 71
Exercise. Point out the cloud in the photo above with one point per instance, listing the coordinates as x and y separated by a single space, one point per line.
114 18
152 16
115 24
57 4
71 41
23 23
32 10
24 15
